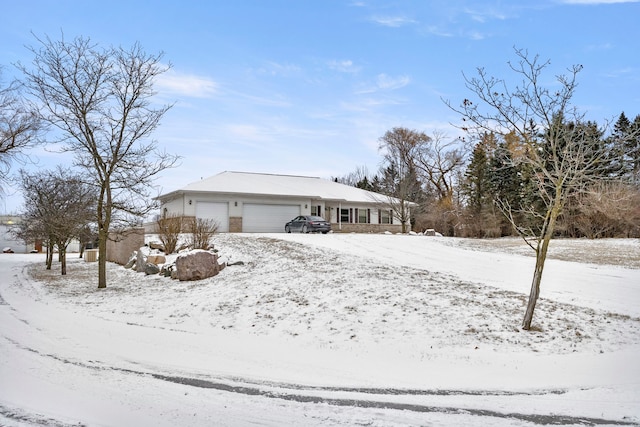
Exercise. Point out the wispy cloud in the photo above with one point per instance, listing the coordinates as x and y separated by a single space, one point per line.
279 69
621 72
438 31
392 21
186 84
386 82
241 132
367 104
344 66
599 47
485 15
266 101
477 35
460 32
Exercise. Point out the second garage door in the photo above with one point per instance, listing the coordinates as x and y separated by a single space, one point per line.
219 212
259 218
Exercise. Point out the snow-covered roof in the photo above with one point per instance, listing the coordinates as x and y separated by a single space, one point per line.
280 185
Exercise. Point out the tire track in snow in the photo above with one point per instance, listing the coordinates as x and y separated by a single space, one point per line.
294 393
381 404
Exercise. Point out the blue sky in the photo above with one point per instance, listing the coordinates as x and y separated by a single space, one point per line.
308 87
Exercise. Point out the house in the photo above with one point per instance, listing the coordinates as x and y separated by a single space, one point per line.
9 241
258 203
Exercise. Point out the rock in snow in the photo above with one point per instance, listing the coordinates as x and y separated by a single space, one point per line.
196 265
151 268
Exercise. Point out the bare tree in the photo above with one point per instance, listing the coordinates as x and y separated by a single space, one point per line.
559 156
88 236
58 206
359 178
101 101
399 179
19 127
416 162
608 209
438 161
439 164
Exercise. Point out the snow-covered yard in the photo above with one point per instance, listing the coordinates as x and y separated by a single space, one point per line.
338 329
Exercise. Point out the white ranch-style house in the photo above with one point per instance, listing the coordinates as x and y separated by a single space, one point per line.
263 203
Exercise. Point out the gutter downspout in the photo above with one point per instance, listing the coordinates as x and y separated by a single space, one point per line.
340 216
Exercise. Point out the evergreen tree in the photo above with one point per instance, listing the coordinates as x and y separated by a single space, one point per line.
479 215
624 148
616 145
632 150
477 185
364 184
508 187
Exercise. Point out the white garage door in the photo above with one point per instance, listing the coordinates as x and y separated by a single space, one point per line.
218 212
258 218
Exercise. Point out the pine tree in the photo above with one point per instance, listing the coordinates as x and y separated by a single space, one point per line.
624 147
476 187
632 150
507 184
616 146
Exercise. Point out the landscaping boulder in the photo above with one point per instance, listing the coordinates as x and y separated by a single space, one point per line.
150 269
132 260
167 269
156 259
141 262
196 265
157 246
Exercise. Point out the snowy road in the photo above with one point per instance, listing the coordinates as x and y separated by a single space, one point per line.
60 365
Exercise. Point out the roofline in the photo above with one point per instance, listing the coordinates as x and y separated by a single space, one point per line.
374 197
271 174
178 193
175 193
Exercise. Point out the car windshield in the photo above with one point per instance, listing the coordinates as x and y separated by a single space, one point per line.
316 218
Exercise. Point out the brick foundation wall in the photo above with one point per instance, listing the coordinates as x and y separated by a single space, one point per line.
366 228
235 224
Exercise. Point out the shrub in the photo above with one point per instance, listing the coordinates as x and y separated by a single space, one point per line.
169 228
201 232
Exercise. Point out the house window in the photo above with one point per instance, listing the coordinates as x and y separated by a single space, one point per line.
344 215
363 216
315 211
385 216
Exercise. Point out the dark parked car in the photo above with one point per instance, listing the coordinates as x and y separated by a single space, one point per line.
308 224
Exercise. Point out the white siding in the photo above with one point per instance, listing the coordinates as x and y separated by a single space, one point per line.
262 218
216 211
8 241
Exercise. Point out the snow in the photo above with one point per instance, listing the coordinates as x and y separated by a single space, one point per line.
337 329
280 185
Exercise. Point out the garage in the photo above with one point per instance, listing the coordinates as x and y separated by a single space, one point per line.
261 218
216 211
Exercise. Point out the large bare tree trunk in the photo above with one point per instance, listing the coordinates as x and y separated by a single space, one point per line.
63 261
49 260
102 258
